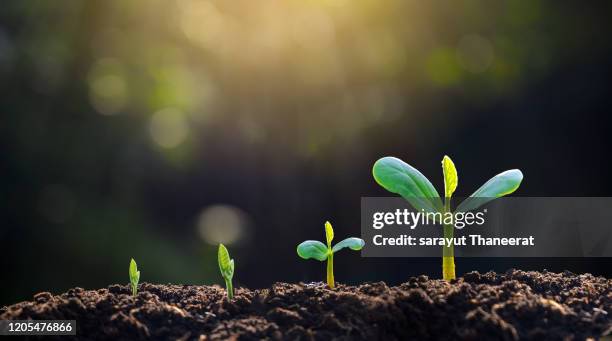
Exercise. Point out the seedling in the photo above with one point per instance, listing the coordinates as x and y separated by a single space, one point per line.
134 277
226 266
317 250
398 177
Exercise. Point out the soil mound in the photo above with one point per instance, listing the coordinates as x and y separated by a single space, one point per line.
511 306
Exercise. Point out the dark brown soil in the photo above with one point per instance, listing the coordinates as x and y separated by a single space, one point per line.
510 306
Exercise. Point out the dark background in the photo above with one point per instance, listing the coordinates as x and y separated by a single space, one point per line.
155 130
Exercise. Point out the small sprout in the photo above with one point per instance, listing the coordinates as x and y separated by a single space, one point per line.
134 277
226 266
319 251
398 177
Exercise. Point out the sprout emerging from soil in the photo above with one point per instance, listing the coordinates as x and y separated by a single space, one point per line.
134 277
398 177
226 266
317 250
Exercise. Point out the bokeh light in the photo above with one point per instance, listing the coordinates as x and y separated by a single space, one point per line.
475 53
222 224
108 90
169 128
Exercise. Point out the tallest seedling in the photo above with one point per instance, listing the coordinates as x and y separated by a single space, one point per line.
398 177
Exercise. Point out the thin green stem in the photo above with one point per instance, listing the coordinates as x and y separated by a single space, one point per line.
330 270
448 252
230 288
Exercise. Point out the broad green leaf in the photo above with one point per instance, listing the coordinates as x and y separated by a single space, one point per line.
312 249
226 265
134 273
352 243
329 233
450 176
398 177
498 186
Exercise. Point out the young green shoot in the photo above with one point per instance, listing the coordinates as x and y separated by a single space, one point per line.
134 277
226 266
321 252
398 177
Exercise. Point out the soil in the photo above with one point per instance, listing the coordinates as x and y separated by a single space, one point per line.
511 306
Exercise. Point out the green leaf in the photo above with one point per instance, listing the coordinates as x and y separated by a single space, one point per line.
134 276
352 243
398 177
502 184
450 176
231 269
312 249
329 233
134 273
226 265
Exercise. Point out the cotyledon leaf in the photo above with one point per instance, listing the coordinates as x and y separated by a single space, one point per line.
398 177
312 249
502 184
352 243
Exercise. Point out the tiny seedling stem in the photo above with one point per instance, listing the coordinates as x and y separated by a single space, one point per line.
448 252
330 270
230 289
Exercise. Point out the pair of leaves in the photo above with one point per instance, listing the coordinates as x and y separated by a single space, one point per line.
226 265
134 276
398 177
319 251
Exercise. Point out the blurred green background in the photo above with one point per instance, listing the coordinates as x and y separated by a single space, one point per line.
156 129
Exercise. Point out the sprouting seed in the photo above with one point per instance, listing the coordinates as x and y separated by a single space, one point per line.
134 277
226 266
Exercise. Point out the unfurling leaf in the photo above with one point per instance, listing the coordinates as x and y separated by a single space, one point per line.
450 176
226 265
329 233
134 276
